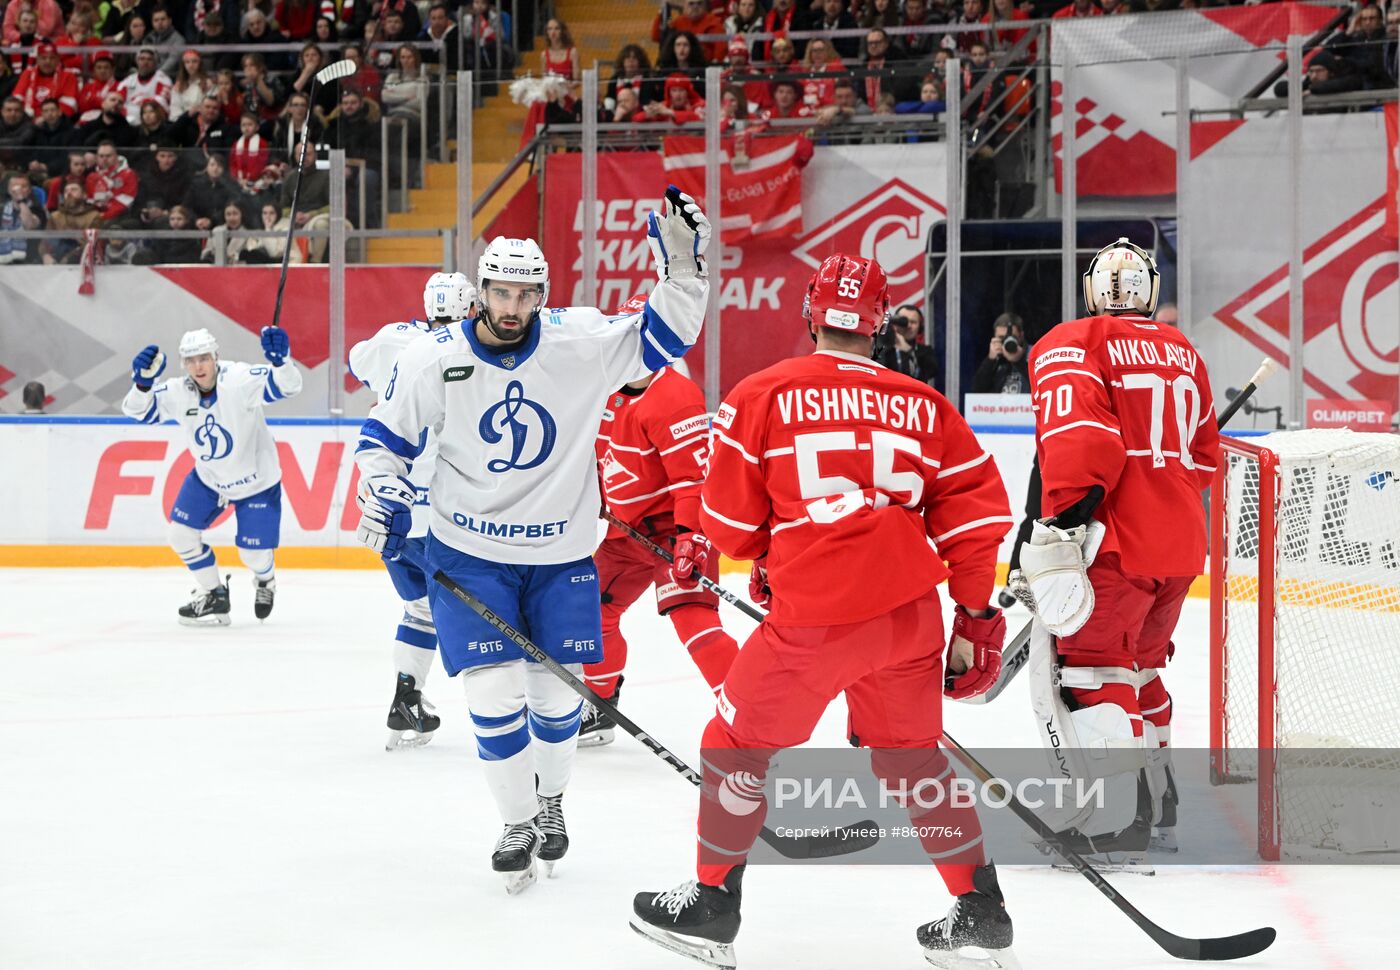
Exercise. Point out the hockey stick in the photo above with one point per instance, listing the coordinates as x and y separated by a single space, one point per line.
747 609
1182 947
1018 652
843 840
327 74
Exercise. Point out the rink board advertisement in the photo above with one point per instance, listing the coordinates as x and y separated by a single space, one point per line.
1239 278
97 491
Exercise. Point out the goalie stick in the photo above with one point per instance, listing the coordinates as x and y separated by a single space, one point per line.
1018 652
748 609
842 840
1182 947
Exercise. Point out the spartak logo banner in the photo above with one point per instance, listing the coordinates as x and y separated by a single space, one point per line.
761 177
1125 76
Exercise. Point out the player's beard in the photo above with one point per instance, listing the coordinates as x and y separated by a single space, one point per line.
506 336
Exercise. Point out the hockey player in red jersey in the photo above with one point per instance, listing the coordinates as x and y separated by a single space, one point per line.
1124 419
850 486
652 447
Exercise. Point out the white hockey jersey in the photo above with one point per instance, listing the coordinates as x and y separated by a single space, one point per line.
233 450
516 477
372 362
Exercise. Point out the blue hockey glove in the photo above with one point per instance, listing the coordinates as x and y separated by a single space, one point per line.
147 366
276 345
386 514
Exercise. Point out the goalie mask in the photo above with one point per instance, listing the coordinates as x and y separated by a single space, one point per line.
511 261
447 297
849 294
1122 278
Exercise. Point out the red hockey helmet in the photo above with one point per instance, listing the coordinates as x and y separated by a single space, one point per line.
848 293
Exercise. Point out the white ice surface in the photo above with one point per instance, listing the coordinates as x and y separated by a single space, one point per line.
221 798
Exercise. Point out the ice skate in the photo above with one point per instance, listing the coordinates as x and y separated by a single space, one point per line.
207 608
1164 831
410 724
263 593
976 934
515 854
596 728
694 920
550 822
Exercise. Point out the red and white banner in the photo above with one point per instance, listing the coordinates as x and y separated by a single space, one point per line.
1329 412
762 186
1125 83
878 201
1392 172
1239 218
80 347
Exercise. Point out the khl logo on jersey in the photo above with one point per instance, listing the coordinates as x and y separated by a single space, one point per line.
215 437
522 418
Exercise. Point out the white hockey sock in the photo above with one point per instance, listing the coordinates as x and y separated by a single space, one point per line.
189 546
496 697
414 661
258 561
554 718
207 577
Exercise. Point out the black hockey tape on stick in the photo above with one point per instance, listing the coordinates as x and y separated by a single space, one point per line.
1018 651
842 840
1182 947
748 609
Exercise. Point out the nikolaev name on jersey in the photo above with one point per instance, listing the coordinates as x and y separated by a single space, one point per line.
912 411
1149 353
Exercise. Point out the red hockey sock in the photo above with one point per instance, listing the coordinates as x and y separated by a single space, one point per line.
957 877
1156 706
603 675
732 804
709 646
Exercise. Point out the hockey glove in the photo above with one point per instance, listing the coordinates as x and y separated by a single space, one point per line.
1053 580
692 556
146 367
386 514
276 345
678 236
759 592
974 654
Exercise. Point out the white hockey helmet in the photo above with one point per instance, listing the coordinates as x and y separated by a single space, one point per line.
197 342
514 260
1122 278
448 296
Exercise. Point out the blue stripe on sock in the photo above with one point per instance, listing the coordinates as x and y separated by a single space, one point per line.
499 747
555 729
417 638
496 722
205 560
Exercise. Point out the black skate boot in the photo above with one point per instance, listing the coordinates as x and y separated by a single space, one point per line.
1122 852
1164 832
262 597
550 822
976 933
515 853
410 724
207 608
596 728
694 920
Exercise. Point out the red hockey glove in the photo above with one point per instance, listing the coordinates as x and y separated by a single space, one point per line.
759 592
974 654
692 552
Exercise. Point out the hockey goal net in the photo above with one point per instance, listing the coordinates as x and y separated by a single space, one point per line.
1305 637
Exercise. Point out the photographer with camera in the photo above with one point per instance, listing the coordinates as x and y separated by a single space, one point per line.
1004 370
900 348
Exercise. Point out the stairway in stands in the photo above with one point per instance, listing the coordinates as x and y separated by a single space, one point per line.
599 27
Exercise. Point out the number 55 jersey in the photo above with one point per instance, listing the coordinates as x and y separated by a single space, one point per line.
865 488
1125 403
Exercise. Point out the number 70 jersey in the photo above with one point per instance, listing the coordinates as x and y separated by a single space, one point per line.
1125 403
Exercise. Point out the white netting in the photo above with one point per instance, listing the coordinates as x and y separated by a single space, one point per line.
1336 595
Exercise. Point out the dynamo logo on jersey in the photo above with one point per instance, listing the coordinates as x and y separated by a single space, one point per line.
531 428
215 437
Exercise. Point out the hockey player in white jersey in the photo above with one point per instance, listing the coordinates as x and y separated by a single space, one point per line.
515 397
220 406
447 299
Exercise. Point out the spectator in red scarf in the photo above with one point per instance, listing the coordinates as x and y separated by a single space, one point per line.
111 187
44 80
786 103
683 104
250 153
695 18
737 66
778 20
48 17
79 35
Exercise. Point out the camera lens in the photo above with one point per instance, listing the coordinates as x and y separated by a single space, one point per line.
1010 344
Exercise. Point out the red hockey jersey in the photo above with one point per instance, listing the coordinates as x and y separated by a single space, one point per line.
859 483
1125 403
651 451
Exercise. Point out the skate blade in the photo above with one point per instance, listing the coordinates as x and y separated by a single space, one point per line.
973 958
518 882
212 619
708 952
596 739
549 865
1163 840
401 740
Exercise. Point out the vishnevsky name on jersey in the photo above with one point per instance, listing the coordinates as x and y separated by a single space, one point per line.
905 411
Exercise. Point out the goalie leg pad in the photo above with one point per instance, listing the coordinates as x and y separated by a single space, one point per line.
1097 747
